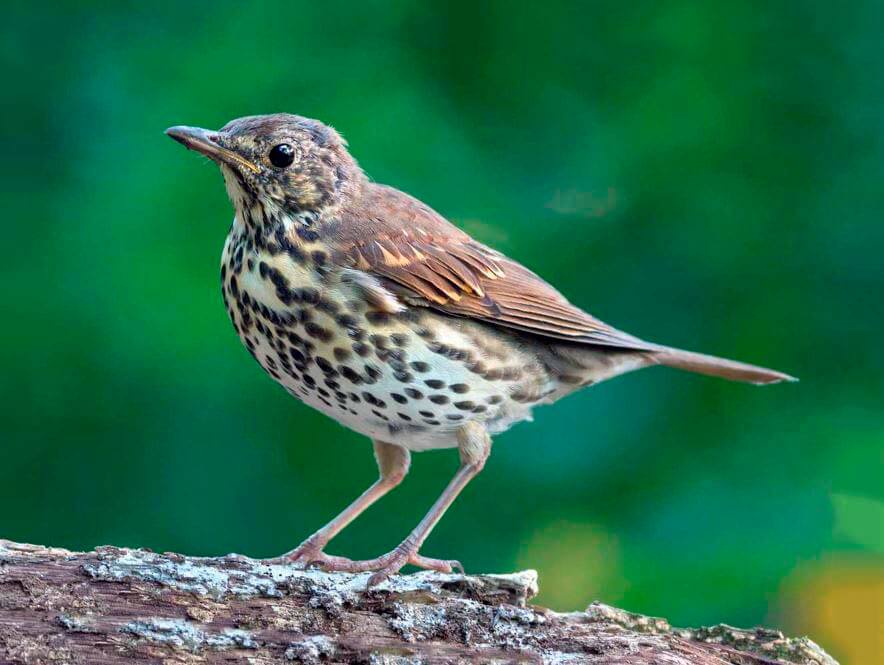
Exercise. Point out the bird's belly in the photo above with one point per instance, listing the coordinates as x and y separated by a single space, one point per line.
410 379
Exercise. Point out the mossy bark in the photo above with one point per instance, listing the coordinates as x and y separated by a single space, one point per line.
133 606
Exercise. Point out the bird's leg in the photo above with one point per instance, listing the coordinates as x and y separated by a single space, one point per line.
393 462
474 446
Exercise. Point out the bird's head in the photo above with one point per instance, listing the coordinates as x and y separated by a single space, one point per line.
278 166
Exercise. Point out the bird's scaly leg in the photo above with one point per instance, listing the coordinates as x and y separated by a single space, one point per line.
474 446
393 462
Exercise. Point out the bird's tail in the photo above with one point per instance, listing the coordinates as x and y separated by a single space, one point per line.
726 369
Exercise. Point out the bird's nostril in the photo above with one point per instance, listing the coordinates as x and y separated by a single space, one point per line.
213 138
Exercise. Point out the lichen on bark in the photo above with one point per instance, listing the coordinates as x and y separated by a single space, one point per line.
116 605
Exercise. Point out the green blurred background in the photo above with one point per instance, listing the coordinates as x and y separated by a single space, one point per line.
704 174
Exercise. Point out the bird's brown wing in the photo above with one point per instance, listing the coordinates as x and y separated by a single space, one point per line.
431 263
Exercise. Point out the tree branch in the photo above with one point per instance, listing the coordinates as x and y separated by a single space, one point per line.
133 606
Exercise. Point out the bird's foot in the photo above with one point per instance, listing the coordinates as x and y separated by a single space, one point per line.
310 553
403 555
385 565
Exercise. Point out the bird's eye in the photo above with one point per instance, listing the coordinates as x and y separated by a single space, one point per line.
282 155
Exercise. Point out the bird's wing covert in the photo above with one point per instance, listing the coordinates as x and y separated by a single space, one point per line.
461 277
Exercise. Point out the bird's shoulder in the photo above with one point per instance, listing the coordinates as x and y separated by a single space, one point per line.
427 261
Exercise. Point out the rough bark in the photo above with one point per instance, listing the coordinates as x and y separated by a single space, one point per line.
122 606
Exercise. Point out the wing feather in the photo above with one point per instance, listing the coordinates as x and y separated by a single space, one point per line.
428 262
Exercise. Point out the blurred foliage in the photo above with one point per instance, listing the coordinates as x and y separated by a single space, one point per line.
704 174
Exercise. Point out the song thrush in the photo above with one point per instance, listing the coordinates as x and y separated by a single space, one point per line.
369 306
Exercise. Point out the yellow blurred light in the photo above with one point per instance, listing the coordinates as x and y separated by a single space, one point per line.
839 602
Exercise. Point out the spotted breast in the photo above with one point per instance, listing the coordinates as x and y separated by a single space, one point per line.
409 376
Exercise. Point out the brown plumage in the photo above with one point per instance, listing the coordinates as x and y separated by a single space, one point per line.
432 263
369 306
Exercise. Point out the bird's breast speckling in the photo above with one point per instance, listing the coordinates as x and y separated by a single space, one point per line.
411 378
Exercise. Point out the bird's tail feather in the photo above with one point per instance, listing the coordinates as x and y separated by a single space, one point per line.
721 367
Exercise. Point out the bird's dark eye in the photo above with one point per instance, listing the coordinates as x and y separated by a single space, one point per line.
282 155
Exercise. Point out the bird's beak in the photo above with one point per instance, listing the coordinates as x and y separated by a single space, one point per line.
208 143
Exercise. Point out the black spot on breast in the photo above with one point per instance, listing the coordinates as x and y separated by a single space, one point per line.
340 354
419 366
350 374
327 306
361 349
403 377
277 278
495 399
459 388
309 295
372 372
379 415
437 347
325 366
346 321
413 393
309 380
438 399
376 317
399 398
379 341
319 257
480 409
354 397
397 364
371 399
432 422
404 417
435 384
318 332
454 416
294 252
307 234
399 339
427 414
465 405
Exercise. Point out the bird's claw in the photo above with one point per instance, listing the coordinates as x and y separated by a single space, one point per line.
398 558
311 556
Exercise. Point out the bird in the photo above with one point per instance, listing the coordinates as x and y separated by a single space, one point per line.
369 306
